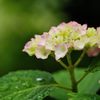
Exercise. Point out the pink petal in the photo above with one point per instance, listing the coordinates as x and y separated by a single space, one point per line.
53 30
62 26
83 29
92 52
73 24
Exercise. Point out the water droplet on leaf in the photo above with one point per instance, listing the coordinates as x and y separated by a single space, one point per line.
25 84
40 80
16 87
40 97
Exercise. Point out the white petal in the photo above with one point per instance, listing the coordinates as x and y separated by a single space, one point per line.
41 52
78 45
60 51
30 47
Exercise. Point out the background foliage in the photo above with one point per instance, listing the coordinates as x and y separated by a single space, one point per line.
21 19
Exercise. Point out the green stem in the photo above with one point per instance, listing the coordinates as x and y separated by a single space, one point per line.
72 73
71 69
85 74
60 86
62 64
73 80
69 59
72 76
79 59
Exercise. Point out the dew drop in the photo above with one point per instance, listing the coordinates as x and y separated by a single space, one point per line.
39 79
46 93
25 84
40 97
16 87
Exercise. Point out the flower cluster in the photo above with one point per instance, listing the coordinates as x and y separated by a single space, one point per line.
63 38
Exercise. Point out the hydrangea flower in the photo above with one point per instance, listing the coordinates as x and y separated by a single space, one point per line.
63 38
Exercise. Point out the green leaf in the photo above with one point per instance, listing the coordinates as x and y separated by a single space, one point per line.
26 85
88 85
95 65
63 77
79 96
59 94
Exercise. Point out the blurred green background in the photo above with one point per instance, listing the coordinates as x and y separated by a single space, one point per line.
22 19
